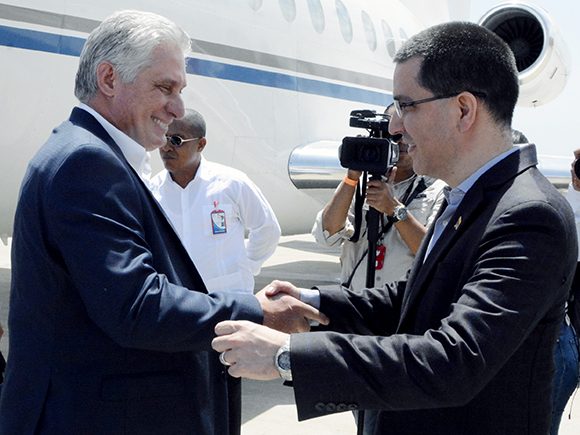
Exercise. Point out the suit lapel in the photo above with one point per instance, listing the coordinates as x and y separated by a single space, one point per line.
420 256
475 200
85 120
459 223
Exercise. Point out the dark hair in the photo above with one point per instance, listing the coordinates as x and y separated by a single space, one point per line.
195 122
518 137
462 56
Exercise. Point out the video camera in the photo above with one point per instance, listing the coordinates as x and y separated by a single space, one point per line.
376 153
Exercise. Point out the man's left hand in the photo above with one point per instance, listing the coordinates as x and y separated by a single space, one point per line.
380 196
248 348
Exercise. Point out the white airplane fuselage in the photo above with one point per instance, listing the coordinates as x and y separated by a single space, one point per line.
268 76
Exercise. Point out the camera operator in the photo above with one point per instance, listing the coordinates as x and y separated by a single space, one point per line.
407 200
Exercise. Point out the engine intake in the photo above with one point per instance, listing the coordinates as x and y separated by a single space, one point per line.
540 52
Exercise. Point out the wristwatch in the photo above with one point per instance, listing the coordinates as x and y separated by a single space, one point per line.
399 214
282 361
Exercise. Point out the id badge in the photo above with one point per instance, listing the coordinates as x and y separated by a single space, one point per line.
218 220
380 258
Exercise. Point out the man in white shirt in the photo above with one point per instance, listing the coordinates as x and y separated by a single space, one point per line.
211 206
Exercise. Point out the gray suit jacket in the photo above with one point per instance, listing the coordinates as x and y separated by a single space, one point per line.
110 323
467 346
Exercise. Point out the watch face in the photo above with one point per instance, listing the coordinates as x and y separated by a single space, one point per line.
284 360
400 213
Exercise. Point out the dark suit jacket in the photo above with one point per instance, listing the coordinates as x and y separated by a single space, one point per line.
110 323
467 346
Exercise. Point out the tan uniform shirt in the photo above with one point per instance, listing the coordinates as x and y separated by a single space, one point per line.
398 256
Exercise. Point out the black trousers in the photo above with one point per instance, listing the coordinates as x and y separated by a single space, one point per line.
235 405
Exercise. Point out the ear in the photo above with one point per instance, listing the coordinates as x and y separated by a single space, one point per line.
106 77
201 144
468 106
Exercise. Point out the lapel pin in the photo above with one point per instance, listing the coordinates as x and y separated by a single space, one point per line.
457 223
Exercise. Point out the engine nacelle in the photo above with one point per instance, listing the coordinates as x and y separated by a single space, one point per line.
540 52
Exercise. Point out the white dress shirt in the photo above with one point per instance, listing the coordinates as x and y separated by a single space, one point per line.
211 215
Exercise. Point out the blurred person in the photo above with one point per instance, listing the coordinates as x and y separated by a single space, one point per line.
466 345
110 322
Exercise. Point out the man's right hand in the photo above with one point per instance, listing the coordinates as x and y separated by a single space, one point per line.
284 311
276 287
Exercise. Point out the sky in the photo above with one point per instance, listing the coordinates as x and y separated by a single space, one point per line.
555 126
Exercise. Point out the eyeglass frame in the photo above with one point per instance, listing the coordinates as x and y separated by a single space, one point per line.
400 106
171 140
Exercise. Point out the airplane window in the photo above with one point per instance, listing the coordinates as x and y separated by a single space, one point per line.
389 38
288 8
316 15
255 4
344 21
369 31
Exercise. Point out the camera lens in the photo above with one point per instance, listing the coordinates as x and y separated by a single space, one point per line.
369 154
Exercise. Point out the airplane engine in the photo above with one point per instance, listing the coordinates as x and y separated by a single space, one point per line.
541 55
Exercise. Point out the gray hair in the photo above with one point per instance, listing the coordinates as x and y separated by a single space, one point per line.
126 39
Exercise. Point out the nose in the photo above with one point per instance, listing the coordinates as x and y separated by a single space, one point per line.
176 107
396 125
166 147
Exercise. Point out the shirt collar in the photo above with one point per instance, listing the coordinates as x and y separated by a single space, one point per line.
201 174
136 154
407 180
457 193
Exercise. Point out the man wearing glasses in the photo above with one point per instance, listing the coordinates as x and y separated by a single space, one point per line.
466 345
408 203
211 206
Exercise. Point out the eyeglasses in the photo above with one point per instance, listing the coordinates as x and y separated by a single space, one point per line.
177 141
401 106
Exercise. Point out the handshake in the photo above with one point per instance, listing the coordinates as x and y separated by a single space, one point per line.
248 349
